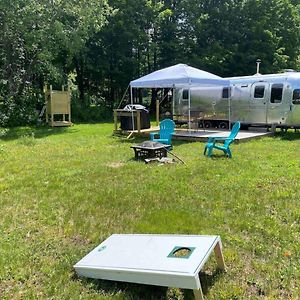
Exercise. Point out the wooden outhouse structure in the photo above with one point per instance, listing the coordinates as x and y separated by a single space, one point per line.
58 107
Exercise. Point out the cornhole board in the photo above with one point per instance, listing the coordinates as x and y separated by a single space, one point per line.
164 260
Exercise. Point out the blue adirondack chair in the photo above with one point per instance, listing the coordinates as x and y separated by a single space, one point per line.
211 143
166 130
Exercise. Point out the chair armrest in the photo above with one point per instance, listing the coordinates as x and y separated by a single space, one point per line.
152 134
217 138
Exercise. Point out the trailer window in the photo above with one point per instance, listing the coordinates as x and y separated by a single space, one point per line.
259 92
225 93
276 93
185 94
296 97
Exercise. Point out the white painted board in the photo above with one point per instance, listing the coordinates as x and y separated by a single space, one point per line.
145 258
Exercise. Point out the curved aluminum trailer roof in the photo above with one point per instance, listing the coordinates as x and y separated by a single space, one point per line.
266 77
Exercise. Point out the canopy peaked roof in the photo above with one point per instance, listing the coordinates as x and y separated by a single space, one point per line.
180 74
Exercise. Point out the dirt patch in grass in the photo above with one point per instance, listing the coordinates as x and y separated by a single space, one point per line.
78 240
115 165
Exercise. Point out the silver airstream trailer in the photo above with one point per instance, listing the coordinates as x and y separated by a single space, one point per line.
258 100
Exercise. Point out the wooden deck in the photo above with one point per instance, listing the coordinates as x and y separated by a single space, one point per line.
200 135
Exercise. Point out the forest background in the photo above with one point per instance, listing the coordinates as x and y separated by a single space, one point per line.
99 46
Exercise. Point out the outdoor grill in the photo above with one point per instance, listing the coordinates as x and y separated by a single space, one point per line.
126 121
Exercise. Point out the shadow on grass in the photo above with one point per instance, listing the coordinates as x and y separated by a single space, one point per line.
123 140
207 280
92 122
134 291
38 132
218 156
288 136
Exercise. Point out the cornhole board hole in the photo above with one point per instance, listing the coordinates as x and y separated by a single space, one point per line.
164 260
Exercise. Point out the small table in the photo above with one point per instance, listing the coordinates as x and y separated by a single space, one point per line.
163 260
150 149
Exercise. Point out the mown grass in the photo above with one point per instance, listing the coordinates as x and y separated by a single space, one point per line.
63 191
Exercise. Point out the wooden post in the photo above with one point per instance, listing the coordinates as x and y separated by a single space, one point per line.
138 120
46 101
115 120
219 256
132 116
63 89
51 107
198 294
69 100
157 112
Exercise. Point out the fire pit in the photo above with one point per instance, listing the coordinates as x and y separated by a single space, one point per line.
150 149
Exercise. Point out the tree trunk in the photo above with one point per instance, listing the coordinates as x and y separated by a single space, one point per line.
80 80
140 96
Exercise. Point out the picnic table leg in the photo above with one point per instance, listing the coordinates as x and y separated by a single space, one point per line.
138 121
198 294
219 256
115 120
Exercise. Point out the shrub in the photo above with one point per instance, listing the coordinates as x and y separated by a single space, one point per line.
89 113
22 109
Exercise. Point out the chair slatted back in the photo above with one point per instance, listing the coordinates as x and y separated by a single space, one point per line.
166 128
233 134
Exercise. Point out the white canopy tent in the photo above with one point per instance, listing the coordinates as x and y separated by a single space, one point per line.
178 75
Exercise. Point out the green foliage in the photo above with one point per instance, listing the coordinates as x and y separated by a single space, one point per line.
107 43
24 110
92 113
40 41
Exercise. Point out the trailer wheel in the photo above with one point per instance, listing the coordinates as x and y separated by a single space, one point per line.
207 124
223 125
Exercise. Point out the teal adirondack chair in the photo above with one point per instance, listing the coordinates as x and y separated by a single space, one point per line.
211 143
166 130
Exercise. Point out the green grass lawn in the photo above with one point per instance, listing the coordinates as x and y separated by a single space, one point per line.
63 191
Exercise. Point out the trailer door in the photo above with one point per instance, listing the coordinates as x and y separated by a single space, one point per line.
277 105
295 109
259 103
